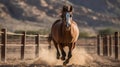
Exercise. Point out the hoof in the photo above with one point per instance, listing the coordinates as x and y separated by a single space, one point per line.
49 47
58 57
62 58
65 63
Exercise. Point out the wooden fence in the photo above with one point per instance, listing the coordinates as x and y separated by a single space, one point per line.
105 44
4 35
108 45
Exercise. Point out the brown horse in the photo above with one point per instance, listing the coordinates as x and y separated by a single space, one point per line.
64 32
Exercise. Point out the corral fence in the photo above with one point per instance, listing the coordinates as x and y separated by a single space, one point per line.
5 41
88 44
109 45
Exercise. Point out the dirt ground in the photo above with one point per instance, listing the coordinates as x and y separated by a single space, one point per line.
82 57
101 62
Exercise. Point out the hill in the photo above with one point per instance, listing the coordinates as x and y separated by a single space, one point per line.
90 15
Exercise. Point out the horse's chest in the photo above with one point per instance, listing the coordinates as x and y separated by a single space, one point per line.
67 37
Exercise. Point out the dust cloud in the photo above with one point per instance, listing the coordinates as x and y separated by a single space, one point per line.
79 57
48 56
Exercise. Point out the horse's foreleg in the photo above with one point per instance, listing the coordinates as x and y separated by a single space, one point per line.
71 47
61 46
58 53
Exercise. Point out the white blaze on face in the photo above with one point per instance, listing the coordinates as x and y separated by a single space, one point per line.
68 18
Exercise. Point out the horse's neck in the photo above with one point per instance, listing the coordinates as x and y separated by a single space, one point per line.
68 30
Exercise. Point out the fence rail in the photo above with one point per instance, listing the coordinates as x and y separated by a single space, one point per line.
4 43
107 43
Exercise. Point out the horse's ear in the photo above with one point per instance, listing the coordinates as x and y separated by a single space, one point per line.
71 8
64 8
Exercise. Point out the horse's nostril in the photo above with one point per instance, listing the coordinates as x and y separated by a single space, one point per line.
67 25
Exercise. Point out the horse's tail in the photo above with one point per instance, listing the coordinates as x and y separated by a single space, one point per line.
49 41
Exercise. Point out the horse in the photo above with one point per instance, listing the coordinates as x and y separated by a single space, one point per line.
64 32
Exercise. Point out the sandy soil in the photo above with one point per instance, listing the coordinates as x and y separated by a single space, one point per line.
82 57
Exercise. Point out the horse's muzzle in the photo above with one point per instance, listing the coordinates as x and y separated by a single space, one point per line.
68 24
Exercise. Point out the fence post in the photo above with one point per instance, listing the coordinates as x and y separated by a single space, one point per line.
116 44
37 42
110 45
23 45
4 42
98 44
105 45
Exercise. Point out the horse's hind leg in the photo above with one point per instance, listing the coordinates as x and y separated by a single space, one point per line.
56 46
49 41
61 46
71 47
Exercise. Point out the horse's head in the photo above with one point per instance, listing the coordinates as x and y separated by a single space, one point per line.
67 15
